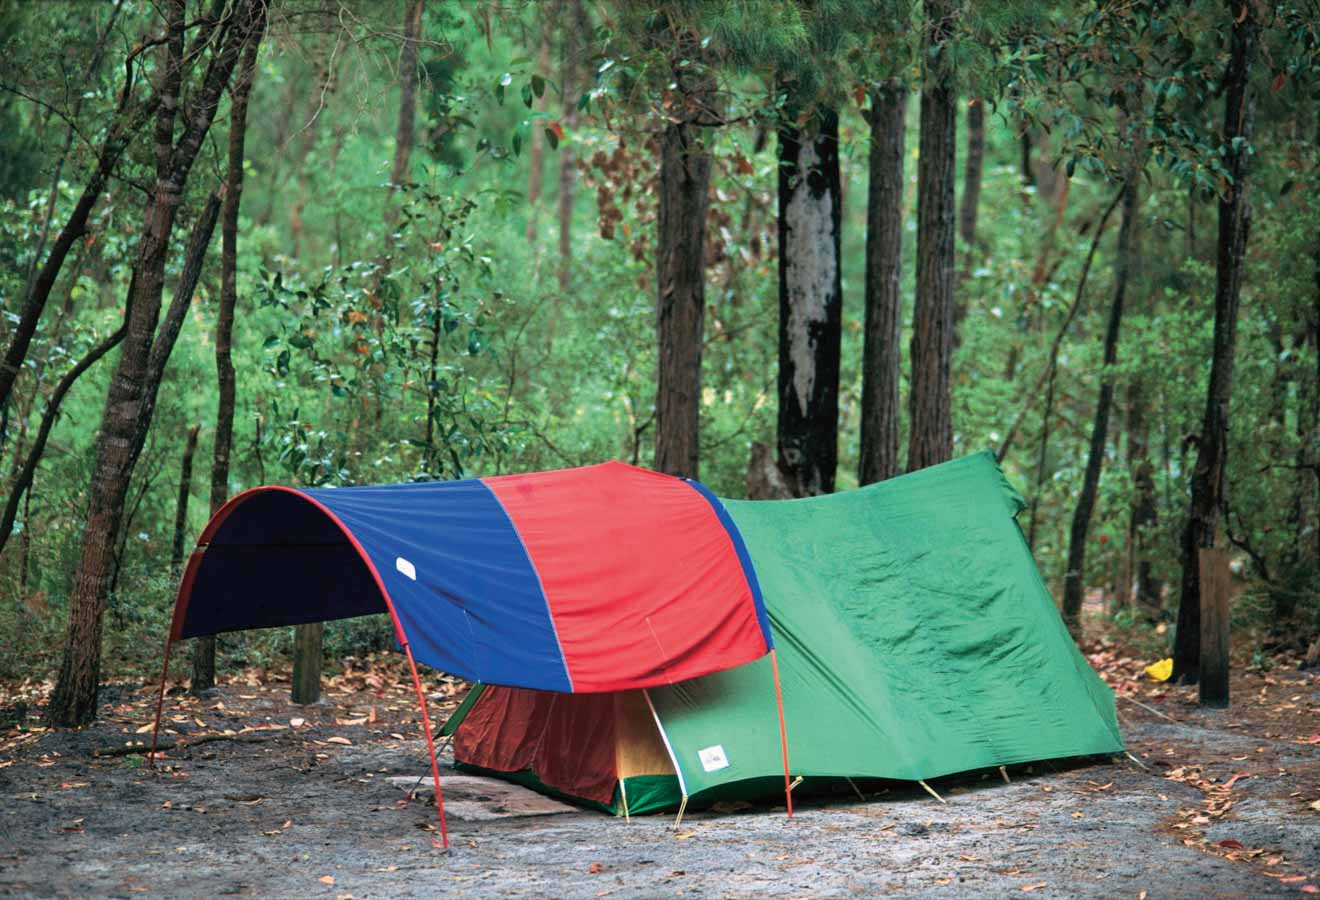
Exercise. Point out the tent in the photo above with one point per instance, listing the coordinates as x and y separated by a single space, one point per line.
915 639
579 581
640 643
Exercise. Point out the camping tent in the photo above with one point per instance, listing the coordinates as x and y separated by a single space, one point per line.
628 628
915 638
597 579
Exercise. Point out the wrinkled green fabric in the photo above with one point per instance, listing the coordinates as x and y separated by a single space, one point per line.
915 638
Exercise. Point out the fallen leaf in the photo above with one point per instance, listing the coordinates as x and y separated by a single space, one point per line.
145 728
297 722
595 868
685 835
1034 887
327 879
287 823
1230 844
339 740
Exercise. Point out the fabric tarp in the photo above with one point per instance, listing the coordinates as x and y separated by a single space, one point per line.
600 578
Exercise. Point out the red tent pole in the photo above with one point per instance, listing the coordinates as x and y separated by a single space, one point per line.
430 742
160 698
783 732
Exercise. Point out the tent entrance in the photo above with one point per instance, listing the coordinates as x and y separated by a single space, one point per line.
604 751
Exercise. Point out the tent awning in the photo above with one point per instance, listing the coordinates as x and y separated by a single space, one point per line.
601 578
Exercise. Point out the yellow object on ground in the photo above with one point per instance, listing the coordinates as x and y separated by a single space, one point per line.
1161 670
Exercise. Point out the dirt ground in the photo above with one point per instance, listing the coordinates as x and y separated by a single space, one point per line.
272 799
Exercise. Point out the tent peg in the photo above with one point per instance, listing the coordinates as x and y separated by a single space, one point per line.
930 790
682 807
1004 773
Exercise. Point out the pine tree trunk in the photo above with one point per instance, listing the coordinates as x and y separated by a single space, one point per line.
203 655
810 304
1212 447
1074 579
685 167
181 503
880 426
130 400
929 402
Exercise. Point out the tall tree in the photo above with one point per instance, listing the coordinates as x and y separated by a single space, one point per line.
131 398
203 660
810 301
882 353
1208 475
181 503
930 417
574 23
1074 584
685 166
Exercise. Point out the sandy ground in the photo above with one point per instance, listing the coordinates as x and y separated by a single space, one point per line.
308 810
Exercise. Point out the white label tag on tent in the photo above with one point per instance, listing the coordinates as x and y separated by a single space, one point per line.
407 568
713 758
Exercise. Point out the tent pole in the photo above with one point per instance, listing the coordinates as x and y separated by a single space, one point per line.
783 732
430 742
160 699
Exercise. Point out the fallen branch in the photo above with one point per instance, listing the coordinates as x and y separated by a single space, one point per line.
1149 709
143 750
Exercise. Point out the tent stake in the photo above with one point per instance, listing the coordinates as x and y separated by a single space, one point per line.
681 807
783 732
160 699
930 790
1004 772
852 784
623 795
430 742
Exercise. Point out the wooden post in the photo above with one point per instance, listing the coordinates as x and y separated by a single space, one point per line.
1215 576
307 662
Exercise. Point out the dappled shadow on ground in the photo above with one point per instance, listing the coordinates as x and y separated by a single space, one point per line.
257 796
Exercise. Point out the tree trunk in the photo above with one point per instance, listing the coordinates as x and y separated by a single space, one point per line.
130 401
403 136
181 505
1212 445
203 656
307 658
685 167
1074 579
574 25
974 165
1147 590
880 427
810 304
929 403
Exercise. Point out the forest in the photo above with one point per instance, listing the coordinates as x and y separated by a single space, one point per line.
785 247
799 252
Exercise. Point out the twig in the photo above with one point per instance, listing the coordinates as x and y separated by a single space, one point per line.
1149 709
248 738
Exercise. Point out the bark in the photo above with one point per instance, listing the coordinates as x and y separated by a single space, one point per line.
203 656
929 402
130 401
972 171
810 304
879 457
1208 479
685 167
575 22
307 660
181 504
1074 579
403 136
